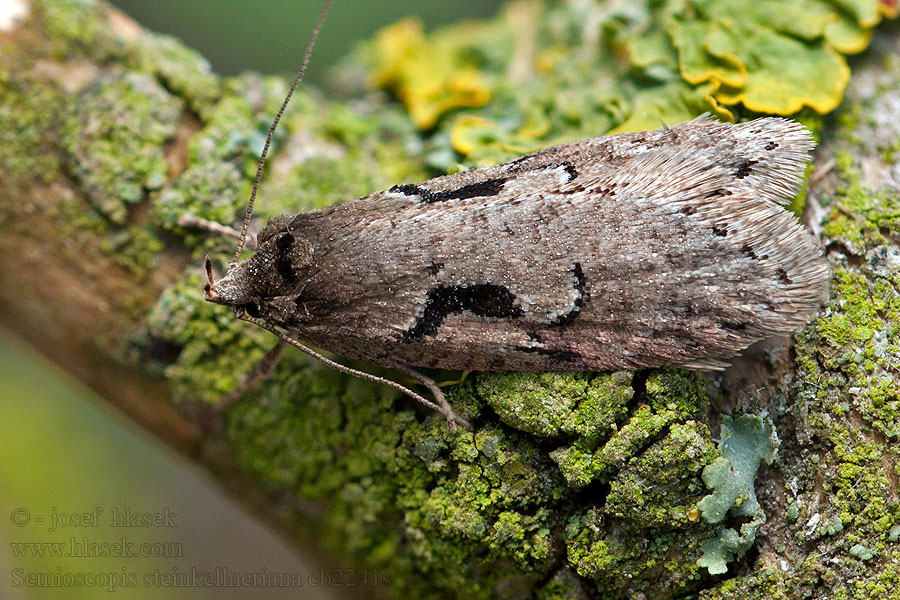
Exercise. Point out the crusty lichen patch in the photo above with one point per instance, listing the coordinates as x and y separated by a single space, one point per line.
553 404
475 511
670 397
113 137
28 111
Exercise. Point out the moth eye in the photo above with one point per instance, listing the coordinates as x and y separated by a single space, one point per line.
252 310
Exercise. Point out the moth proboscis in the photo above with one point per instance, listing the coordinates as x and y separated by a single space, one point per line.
664 247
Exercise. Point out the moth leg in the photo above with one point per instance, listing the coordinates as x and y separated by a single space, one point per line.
194 222
263 369
443 407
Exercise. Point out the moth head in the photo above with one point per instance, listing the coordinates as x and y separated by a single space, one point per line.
260 284
267 279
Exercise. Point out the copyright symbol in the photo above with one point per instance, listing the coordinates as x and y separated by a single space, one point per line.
20 517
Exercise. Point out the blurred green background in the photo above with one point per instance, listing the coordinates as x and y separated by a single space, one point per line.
69 464
67 456
269 36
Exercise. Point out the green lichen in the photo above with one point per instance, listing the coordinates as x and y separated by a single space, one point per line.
214 347
137 249
859 335
671 396
72 29
527 110
620 562
472 510
554 404
660 487
213 184
113 137
760 54
28 113
746 441
182 70
209 191
565 585
431 76
593 68
327 437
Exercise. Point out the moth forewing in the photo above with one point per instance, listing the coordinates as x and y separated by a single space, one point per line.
664 247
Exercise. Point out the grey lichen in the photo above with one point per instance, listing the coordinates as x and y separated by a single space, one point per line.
745 442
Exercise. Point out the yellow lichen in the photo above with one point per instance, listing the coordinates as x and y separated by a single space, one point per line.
431 78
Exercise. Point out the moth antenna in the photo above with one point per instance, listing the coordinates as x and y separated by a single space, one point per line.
452 418
262 157
664 126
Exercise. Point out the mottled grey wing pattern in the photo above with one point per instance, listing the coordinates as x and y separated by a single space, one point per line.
643 249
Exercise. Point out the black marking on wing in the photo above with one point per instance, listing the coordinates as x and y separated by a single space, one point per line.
718 192
748 250
434 268
562 355
481 299
719 231
568 167
745 167
488 187
283 263
583 295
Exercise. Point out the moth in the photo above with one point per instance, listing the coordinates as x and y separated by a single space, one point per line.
664 247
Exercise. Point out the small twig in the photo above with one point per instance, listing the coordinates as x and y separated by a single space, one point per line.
821 172
195 222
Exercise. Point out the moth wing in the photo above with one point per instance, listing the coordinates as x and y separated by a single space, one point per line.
641 249
767 155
